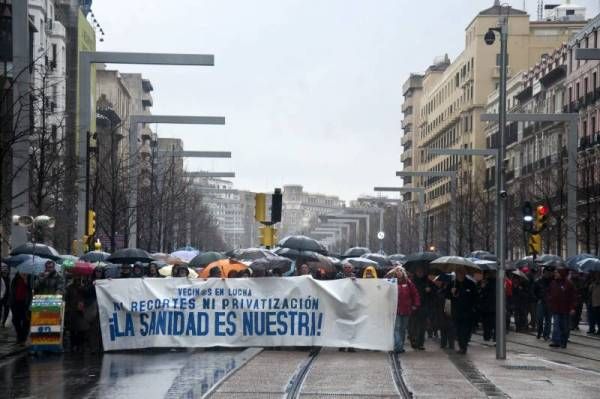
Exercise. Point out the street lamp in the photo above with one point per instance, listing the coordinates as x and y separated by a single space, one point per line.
32 223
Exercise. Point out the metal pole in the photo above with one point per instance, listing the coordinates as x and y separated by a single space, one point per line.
381 229
21 95
453 245
501 219
572 188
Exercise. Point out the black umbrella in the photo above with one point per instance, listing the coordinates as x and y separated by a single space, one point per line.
276 262
95 256
294 254
356 252
303 243
382 260
250 254
41 250
205 258
589 265
15 260
397 258
129 255
419 259
574 260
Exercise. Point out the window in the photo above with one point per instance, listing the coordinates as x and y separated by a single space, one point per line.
53 62
570 12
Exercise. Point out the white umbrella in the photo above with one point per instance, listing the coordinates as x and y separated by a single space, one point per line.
449 264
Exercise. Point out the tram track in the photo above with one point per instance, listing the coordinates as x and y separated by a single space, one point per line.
296 381
396 366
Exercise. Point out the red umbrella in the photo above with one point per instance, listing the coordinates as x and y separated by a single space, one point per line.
83 268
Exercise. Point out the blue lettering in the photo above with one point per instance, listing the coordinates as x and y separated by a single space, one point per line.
230 323
271 323
282 330
144 323
219 323
303 324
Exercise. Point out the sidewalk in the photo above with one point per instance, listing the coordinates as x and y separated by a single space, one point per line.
8 342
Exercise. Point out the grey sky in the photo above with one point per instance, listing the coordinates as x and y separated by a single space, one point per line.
311 90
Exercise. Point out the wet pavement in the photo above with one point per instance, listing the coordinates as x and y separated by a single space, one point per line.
144 374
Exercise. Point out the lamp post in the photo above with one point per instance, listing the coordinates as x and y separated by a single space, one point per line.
421 192
353 216
452 175
86 60
31 223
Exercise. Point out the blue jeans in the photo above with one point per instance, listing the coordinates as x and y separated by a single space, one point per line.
400 332
561 329
544 320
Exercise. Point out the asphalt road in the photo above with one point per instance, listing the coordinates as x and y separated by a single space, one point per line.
145 374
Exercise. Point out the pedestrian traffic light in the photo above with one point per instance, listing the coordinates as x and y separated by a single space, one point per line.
260 207
91 223
541 217
276 204
527 217
535 244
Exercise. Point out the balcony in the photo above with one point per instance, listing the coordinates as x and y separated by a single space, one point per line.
147 100
407 139
406 157
406 122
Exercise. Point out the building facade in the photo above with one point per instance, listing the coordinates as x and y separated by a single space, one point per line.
453 95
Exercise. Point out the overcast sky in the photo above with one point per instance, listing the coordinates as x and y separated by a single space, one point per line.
311 89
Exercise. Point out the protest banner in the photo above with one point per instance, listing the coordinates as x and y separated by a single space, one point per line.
292 311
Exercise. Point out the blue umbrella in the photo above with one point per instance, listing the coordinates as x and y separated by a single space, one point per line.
574 260
15 260
34 265
589 265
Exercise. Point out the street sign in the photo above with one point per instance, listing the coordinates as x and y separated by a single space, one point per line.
381 235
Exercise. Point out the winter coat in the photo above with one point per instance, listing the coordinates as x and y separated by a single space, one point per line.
487 296
595 293
408 298
75 300
421 284
52 284
464 299
540 288
562 297
13 294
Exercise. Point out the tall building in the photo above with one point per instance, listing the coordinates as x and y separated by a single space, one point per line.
453 95
300 210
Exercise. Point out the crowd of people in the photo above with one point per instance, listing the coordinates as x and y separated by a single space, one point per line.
445 307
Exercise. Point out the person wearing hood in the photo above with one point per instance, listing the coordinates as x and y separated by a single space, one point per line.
369 272
562 300
408 302
418 319
21 294
50 282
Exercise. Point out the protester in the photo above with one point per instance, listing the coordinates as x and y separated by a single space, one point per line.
5 299
369 272
215 272
562 301
91 313
138 270
508 291
75 320
304 270
417 323
581 290
125 271
408 302
347 271
532 274
463 295
441 316
182 271
153 270
594 300
21 294
487 305
50 282
540 292
520 296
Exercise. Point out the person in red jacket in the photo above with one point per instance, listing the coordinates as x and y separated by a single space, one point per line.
561 300
408 302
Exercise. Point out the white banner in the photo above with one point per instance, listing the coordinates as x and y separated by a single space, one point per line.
292 311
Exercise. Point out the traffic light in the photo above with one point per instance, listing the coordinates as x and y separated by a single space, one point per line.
91 223
527 217
276 203
260 207
535 244
268 236
541 217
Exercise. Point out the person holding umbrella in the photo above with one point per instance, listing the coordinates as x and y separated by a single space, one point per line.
138 270
21 294
487 304
50 282
562 301
463 295
408 302
125 271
